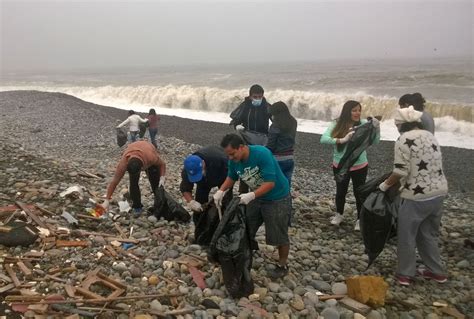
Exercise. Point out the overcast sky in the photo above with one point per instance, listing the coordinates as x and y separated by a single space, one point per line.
82 34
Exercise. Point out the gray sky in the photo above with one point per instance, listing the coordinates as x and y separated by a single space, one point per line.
82 34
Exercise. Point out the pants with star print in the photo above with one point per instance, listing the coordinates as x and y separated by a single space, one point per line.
418 227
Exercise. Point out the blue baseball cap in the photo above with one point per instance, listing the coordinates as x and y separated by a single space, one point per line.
193 168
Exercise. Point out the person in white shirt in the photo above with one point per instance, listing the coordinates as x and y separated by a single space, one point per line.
134 120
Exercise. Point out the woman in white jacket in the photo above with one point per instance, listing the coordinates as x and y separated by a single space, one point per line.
134 120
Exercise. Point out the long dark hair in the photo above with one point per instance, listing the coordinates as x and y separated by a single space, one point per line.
282 118
415 99
152 112
344 122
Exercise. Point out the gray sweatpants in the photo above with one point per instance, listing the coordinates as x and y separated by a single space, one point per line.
418 227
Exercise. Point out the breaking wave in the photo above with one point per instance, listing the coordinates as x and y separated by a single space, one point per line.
311 105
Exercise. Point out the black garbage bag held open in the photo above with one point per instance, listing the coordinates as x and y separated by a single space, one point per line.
230 247
165 206
363 137
206 222
121 137
378 216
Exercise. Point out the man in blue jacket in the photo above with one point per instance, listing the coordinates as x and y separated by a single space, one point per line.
269 199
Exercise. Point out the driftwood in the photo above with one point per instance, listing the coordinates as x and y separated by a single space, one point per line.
98 300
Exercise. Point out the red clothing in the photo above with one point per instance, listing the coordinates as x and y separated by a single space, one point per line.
153 121
145 152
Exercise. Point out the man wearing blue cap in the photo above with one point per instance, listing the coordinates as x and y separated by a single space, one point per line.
207 168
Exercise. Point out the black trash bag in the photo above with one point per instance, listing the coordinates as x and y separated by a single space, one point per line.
377 222
230 247
121 137
370 186
206 222
237 114
142 127
254 138
363 137
18 233
165 206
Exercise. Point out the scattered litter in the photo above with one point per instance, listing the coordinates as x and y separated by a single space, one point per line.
75 191
124 206
70 219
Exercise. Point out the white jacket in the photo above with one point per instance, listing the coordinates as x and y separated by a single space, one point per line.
134 121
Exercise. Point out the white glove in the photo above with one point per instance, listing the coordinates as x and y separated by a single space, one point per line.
218 196
162 181
240 128
105 204
195 206
375 122
247 198
384 186
346 138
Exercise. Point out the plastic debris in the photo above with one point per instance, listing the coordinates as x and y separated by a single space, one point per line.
75 191
124 207
70 219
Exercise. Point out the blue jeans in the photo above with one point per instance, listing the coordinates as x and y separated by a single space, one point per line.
134 136
287 167
153 132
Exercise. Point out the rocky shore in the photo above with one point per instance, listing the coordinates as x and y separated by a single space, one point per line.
51 141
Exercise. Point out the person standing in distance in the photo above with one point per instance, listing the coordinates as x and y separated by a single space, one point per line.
253 114
134 129
268 201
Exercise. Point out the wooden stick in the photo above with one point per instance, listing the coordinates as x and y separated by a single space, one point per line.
44 210
12 275
99 300
175 312
33 216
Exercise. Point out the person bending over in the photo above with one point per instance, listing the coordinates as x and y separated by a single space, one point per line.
138 156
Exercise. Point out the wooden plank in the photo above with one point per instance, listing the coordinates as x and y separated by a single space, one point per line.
6 288
453 312
33 216
12 275
355 306
120 230
70 290
5 278
110 250
25 270
72 243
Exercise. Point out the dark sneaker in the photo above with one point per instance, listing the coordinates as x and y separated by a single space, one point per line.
427 274
279 272
403 280
137 211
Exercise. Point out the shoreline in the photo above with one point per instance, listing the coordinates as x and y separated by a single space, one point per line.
51 139
309 153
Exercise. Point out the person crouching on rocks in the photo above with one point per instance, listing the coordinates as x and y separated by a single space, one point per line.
207 168
269 199
134 120
419 168
338 134
138 156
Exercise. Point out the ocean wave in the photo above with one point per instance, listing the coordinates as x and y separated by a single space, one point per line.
310 105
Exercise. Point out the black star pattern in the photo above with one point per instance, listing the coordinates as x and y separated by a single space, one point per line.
422 165
410 143
418 190
407 186
397 165
435 147
440 172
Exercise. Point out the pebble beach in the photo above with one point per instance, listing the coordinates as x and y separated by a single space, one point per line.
49 141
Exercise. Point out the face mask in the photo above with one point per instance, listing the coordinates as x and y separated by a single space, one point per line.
256 102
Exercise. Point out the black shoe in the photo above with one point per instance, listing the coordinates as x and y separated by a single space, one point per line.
279 272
